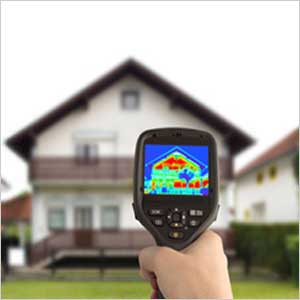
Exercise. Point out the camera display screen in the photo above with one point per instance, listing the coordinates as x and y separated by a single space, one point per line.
176 170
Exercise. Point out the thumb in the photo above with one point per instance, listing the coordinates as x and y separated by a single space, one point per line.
153 260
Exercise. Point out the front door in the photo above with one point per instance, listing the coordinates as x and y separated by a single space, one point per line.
83 224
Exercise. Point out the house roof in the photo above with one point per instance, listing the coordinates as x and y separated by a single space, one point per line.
166 154
17 208
22 141
286 145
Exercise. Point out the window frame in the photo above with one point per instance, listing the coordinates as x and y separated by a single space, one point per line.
117 227
133 92
259 177
273 172
80 152
51 210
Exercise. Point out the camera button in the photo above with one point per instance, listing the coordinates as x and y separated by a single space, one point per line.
196 212
156 212
194 223
158 222
176 234
176 217
176 225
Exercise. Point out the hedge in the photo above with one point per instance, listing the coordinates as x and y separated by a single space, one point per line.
292 245
264 245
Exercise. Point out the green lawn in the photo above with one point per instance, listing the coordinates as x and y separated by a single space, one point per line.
92 289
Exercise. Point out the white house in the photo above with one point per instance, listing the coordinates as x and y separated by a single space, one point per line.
4 185
80 158
266 189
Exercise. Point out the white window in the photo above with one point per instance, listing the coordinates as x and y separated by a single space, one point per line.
110 217
130 100
83 217
56 218
86 151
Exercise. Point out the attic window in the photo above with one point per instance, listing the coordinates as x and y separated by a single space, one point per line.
130 100
273 172
259 177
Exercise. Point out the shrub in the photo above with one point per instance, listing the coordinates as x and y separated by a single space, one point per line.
292 245
264 245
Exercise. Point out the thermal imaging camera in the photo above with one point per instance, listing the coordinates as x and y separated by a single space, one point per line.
175 184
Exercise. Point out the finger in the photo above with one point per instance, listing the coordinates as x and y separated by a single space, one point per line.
154 259
208 241
146 262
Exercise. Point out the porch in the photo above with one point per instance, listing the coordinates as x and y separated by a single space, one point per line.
98 246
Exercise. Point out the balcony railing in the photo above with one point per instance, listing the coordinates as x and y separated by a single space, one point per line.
61 168
117 168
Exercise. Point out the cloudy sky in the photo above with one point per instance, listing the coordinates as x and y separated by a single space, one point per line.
239 58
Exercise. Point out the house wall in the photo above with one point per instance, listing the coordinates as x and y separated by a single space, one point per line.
279 195
104 114
69 200
116 131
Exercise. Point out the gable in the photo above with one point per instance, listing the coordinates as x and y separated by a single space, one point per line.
105 121
23 140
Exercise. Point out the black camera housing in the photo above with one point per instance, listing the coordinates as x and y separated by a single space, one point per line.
159 213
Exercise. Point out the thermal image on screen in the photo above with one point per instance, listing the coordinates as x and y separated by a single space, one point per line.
176 170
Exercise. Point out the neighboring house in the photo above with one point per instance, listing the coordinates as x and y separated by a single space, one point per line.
80 158
16 216
267 189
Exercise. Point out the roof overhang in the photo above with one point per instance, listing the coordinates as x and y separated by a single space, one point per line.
237 140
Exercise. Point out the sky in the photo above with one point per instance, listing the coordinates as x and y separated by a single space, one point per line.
241 59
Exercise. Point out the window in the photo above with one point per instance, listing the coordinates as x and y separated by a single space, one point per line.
259 177
259 211
273 172
83 217
56 218
86 151
110 217
130 100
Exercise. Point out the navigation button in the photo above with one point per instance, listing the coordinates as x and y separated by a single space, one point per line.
176 225
176 217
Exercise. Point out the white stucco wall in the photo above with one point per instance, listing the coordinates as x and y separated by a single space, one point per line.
42 201
280 195
105 114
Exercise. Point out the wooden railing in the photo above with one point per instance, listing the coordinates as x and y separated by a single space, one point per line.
116 168
89 240
60 168
103 240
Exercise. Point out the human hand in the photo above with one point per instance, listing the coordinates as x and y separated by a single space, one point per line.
197 272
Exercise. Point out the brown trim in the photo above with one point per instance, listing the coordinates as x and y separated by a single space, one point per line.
288 144
50 168
22 141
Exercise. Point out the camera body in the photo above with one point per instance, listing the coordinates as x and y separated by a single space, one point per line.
175 184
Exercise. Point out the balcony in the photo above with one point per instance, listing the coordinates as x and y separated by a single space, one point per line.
72 169
98 170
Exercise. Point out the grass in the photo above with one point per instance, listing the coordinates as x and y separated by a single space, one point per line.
102 289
